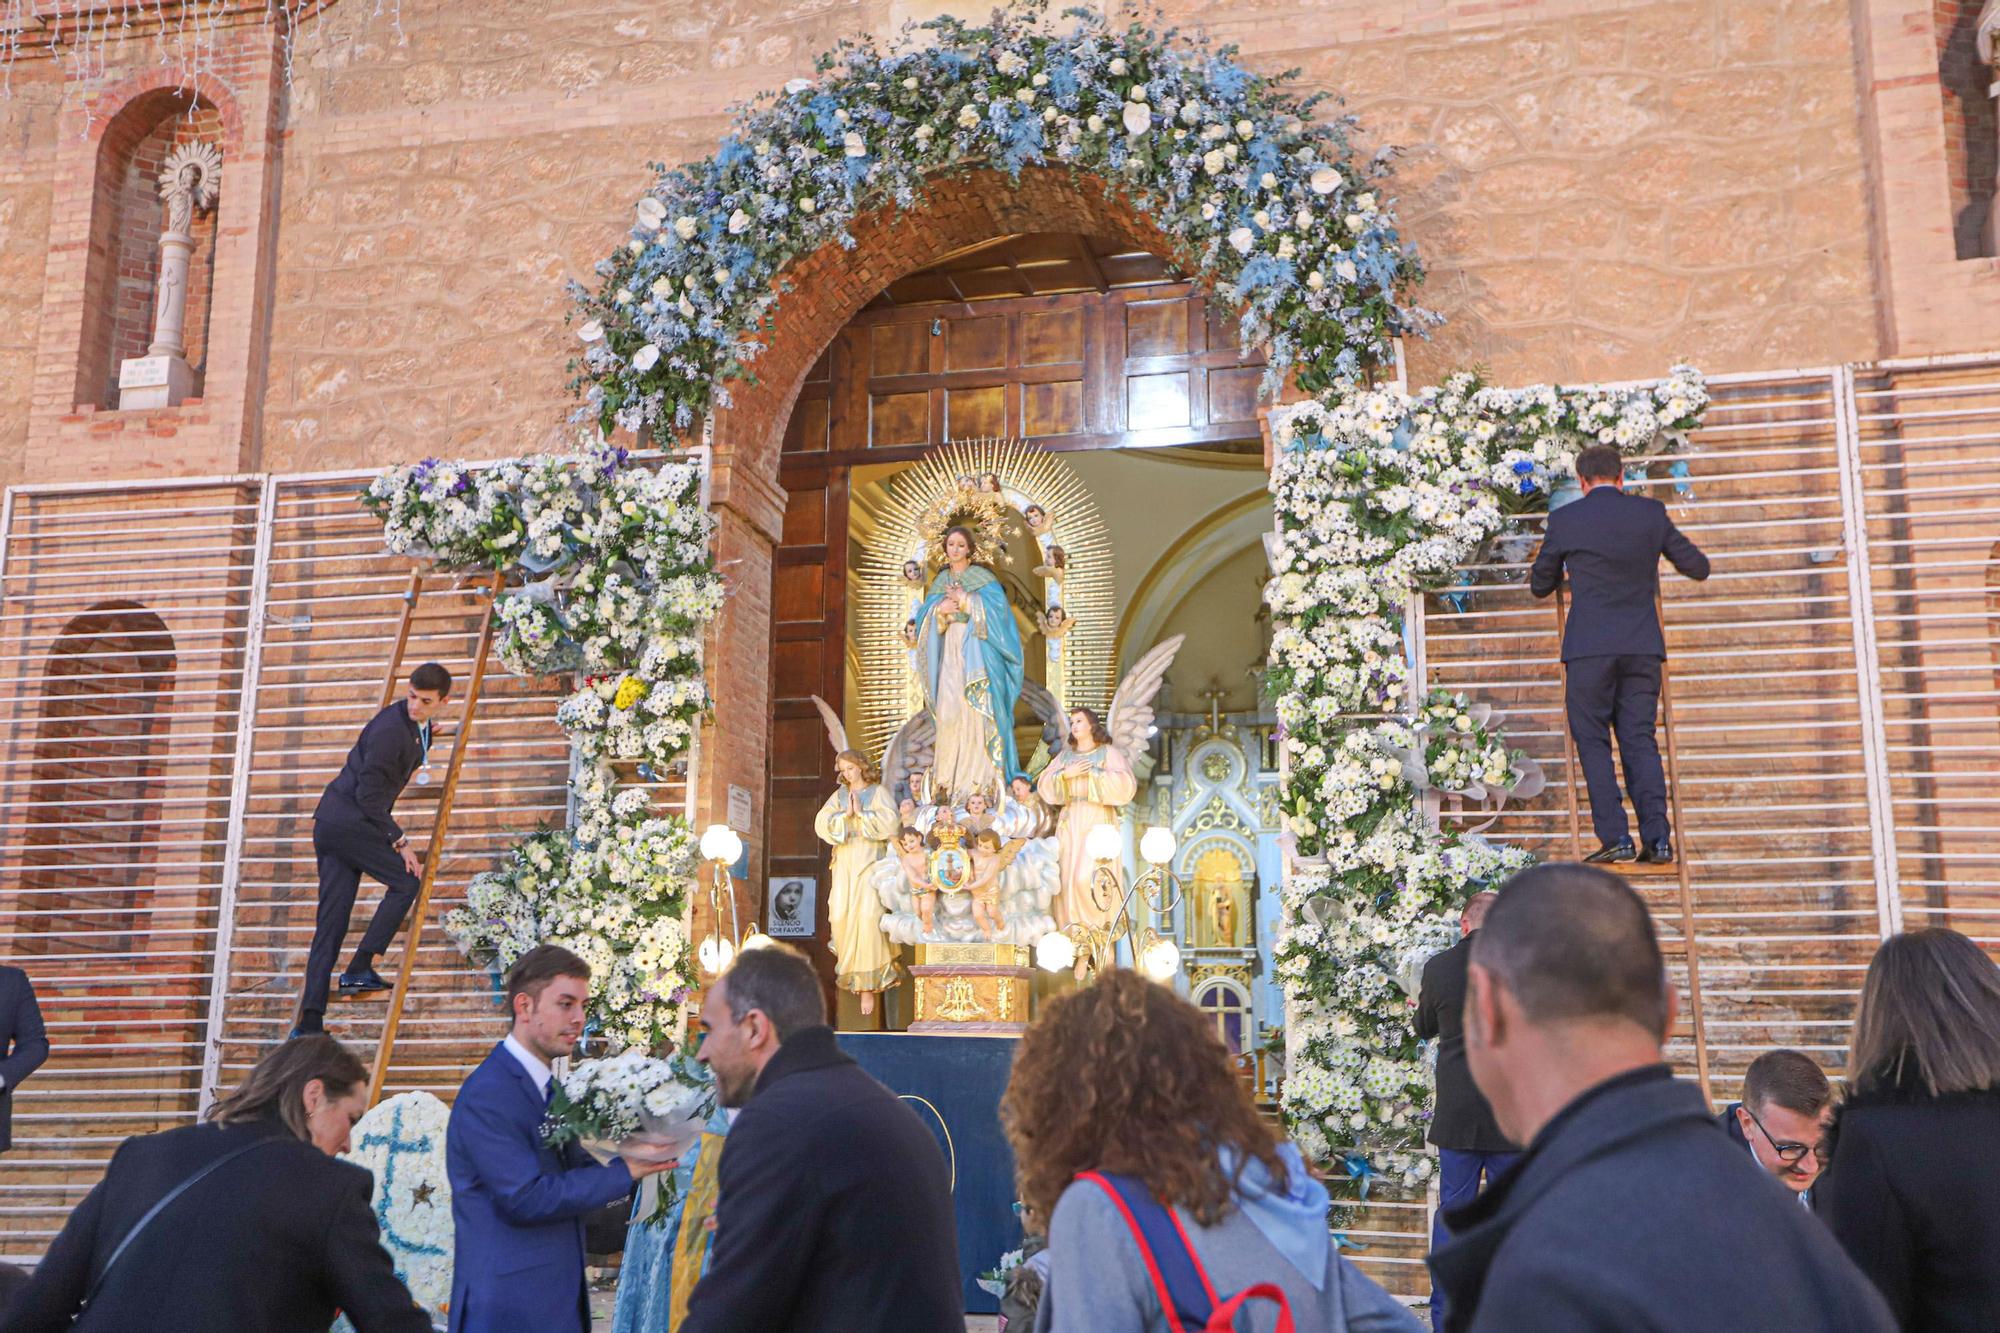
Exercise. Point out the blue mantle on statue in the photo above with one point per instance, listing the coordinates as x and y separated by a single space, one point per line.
954 1086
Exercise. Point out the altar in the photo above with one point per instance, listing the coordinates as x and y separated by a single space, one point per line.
954 1084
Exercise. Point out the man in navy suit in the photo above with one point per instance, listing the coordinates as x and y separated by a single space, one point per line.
355 833
1611 544
24 1043
517 1205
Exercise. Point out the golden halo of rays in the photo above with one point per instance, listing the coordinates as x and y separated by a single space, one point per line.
1028 475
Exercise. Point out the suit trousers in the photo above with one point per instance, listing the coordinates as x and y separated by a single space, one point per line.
345 853
1461 1175
1621 694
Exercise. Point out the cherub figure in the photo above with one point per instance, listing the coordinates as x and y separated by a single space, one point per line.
989 858
909 634
967 482
916 862
1054 566
1035 820
1057 622
978 812
1037 519
913 574
990 482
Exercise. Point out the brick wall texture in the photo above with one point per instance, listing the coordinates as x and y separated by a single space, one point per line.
1598 188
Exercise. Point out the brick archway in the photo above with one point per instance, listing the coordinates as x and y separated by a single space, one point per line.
827 289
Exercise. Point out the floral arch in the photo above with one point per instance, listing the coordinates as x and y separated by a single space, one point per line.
738 269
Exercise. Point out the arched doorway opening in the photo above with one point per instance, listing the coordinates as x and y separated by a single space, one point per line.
1083 344
99 753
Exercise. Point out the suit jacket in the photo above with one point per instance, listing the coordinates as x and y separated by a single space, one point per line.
276 1241
1630 1211
1611 544
833 1209
1462 1119
517 1206
24 1043
379 766
1912 1193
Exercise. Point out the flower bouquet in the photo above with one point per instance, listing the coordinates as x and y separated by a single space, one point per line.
631 1105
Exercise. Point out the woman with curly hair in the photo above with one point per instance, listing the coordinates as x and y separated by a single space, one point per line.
1126 1085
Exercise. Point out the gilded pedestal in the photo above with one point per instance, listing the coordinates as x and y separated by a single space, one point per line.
967 988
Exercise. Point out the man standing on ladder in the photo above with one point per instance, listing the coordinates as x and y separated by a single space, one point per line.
1613 648
354 833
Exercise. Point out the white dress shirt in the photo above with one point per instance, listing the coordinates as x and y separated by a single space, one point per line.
531 1062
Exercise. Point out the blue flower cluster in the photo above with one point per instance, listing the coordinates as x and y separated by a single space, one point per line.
1251 193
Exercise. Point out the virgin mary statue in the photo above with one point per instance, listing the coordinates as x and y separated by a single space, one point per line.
972 673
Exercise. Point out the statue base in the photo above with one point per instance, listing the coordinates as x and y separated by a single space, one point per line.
969 988
153 381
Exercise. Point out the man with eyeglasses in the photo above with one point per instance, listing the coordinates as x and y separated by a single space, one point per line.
1782 1118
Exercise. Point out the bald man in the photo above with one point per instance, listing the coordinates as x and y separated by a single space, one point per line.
1629 1208
1472 1152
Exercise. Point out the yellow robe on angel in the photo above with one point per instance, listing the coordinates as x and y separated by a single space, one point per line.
863 960
1090 787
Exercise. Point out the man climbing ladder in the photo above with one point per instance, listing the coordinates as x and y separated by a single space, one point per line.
355 833
1613 648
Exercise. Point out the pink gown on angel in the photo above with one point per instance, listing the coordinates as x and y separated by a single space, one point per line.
1089 786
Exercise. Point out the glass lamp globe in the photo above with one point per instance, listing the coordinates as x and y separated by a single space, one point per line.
1103 843
1055 952
720 843
715 954
1161 960
1157 846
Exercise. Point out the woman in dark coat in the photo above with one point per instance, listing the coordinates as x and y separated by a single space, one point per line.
1913 1187
274 1239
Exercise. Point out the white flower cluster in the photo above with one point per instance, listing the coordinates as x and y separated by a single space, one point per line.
1266 201
617 581
401 1143
614 1098
615 894
1377 493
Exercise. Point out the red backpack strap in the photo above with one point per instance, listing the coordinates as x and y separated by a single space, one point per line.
1163 1246
1225 1314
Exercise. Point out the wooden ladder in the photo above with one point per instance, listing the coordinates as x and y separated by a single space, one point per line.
1690 947
488 585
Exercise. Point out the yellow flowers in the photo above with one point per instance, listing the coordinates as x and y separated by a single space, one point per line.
630 691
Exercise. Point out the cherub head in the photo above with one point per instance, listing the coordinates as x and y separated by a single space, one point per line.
1022 789
975 804
909 633
912 572
967 482
990 482
909 839
988 841
1037 518
945 815
1058 557
906 810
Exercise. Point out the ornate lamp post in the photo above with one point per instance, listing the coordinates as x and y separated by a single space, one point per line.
720 846
1089 948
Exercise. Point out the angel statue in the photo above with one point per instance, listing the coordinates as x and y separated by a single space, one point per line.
857 821
970 658
1093 776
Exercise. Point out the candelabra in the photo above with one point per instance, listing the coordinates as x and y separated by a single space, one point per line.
720 846
1089 948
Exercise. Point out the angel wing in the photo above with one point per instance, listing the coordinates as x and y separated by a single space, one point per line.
1044 705
1131 720
835 731
911 750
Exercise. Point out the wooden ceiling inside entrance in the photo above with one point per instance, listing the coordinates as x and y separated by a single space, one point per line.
1027 264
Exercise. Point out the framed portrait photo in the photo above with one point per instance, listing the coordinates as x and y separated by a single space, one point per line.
789 907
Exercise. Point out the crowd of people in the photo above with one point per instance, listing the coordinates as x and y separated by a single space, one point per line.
1584 1186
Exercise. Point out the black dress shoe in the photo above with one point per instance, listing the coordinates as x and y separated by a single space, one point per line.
1608 854
352 983
1660 853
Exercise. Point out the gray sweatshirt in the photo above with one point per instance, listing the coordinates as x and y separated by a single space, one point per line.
1098 1282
